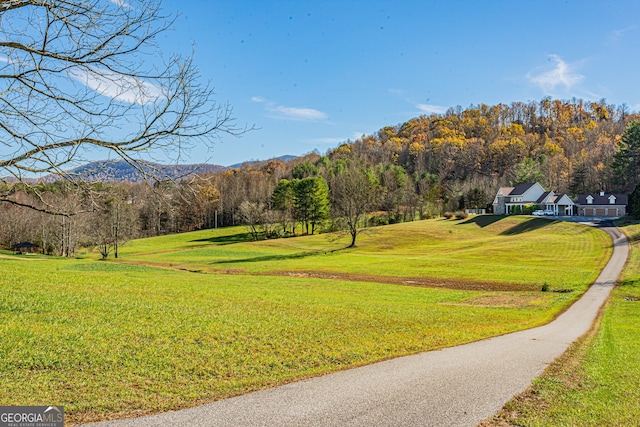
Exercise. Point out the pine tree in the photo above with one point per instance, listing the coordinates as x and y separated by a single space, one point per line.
626 161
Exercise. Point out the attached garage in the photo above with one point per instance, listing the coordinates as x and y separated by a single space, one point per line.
602 205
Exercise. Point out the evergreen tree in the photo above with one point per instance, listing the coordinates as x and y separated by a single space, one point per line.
527 171
311 202
282 200
634 202
476 198
626 161
578 181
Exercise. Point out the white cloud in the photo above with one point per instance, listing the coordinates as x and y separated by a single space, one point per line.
396 91
335 141
618 34
117 86
561 75
327 141
120 3
430 108
291 113
299 113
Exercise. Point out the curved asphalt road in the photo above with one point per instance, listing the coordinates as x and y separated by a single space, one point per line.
458 386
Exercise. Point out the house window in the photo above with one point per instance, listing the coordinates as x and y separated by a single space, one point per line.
612 199
589 199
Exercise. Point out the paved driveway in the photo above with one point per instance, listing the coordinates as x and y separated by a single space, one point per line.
458 386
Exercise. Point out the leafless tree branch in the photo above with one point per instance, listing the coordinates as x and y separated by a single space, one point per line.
82 76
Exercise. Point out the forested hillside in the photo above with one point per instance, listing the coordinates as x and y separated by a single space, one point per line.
566 145
417 169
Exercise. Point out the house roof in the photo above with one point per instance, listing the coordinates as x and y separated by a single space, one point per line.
520 189
558 198
544 196
621 199
23 245
505 191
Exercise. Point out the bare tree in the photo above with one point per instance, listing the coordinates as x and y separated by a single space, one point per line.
352 196
253 214
82 76
112 225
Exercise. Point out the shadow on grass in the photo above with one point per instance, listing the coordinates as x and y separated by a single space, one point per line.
634 238
633 282
527 226
227 240
483 220
298 255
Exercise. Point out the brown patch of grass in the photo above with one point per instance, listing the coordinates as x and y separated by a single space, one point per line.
20 258
232 271
510 300
425 282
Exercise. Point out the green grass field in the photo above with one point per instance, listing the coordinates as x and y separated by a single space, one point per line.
142 335
520 251
597 383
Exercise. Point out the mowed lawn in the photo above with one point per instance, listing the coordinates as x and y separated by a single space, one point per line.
516 250
597 383
112 339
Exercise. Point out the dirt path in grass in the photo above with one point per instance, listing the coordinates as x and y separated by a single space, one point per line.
427 282
457 386
3 256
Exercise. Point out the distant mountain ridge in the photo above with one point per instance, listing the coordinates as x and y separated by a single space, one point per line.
286 158
121 171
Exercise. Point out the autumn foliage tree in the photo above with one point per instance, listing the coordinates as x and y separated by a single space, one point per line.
420 168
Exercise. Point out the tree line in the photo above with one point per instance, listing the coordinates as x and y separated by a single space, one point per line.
56 52
418 169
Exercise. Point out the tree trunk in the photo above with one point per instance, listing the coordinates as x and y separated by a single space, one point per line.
354 234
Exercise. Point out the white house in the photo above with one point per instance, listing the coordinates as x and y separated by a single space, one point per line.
563 205
514 199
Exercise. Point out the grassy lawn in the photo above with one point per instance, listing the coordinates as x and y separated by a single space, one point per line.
112 339
515 250
597 383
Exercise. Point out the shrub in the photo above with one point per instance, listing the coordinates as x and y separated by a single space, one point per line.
462 215
545 287
378 219
448 215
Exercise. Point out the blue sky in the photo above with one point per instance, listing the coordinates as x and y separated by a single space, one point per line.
313 74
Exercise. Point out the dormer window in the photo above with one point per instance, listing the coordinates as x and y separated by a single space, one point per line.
589 199
612 199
